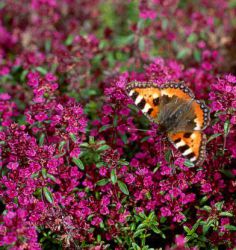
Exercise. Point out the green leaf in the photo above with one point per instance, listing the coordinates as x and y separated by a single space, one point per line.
142 225
156 168
192 38
103 148
228 214
145 138
69 40
203 200
103 128
230 227
136 246
206 208
210 222
164 23
41 70
227 173
232 4
102 225
143 216
91 140
187 230
48 45
219 205
141 23
84 145
41 139
212 137
205 228
124 40
48 194
168 155
115 120
102 182
124 138
188 163
195 226
183 53
101 142
113 176
141 43
123 187
123 162
99 238
44 172
152 216
155 229
79 163
2 4
226 127
73 137
163 219
51 177
23 75
61 145
139 232
197 55
100 164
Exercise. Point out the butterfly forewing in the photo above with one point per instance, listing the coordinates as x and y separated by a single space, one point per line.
146 97
177 89
202 112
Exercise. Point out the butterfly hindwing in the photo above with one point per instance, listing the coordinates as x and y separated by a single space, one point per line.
192 145
146 96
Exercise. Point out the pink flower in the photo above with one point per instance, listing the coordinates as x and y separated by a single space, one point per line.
75 152
103 171
96 221
41 116
5 96
104 210
180 240
206 188
13 165
165 212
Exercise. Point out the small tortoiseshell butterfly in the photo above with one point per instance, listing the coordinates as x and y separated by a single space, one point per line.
174 108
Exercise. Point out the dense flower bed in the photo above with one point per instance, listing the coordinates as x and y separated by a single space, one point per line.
81 167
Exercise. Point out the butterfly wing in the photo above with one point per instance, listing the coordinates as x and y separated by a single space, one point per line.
175 100
179 90
202 113
195 113
146 96
188 137
192 145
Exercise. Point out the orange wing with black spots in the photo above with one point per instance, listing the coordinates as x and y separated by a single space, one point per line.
174 108
177 89
202 114
146 96
192 145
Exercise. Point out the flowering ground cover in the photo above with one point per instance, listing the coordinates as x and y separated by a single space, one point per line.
81 167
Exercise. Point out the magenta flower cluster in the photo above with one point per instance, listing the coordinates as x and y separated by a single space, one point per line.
81 167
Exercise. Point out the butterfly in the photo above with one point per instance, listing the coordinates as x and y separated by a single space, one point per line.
178 114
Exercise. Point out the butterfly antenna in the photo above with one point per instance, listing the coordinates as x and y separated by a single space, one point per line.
136 129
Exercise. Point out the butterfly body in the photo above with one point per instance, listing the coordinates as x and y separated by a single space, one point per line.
174 108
